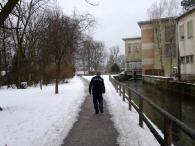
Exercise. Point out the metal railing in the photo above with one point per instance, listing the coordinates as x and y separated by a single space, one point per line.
169 119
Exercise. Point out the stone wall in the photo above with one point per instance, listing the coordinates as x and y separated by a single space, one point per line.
167 83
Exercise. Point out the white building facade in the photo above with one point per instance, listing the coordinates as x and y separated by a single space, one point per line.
186 42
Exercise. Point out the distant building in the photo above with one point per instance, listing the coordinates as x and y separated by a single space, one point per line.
133 55
158 43
186 41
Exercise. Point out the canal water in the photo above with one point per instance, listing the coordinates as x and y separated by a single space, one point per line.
180 106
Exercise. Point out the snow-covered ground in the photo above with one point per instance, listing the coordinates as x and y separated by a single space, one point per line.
125 121
32 117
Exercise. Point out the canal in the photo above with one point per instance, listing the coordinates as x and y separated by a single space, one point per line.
181 106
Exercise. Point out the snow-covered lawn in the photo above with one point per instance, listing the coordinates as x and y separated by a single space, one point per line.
32 117
125 121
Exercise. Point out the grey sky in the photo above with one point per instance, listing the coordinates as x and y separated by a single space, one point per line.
116 19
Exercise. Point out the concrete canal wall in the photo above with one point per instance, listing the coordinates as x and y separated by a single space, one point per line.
168 83
156 79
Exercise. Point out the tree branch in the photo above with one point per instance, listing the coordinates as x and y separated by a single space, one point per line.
6 10
93 4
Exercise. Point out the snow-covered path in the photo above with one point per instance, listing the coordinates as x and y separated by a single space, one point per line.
125 121
33 117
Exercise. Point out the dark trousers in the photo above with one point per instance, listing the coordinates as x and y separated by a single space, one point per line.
98 102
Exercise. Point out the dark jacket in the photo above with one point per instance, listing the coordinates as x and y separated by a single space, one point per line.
97 85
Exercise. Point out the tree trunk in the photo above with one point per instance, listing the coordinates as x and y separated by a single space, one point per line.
7 10
41 84
19 56
57 78
41 70
158 31
5 57
30 74
88 61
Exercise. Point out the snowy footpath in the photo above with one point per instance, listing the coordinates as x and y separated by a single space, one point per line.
34 117
125 121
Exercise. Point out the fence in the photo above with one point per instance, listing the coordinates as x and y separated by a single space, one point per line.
169 120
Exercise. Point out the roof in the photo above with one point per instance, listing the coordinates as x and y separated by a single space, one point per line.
191 10
132 38
153 20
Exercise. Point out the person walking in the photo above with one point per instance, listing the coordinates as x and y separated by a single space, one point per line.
96 88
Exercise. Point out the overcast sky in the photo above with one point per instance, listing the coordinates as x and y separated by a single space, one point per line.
116 19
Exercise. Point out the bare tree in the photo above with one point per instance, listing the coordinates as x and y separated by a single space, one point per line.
114 52
92 3
121 61
115 58
86 54
10 4
21 19
98 54
91 54
6 10
62 35
6 50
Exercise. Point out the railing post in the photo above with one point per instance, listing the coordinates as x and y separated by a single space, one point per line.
140 112
120 89
167 131
123 92
129 93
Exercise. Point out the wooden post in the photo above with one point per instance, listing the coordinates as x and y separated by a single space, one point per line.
167 131
123 92
120 89
129 93
140 112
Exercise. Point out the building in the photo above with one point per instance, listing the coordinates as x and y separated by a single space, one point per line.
158 43
147 45
133 55
186 41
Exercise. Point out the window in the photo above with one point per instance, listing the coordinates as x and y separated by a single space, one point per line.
191 60
170 33
187 59
170 50
182 60
133 47
138 47
181 32
129 48
190 29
